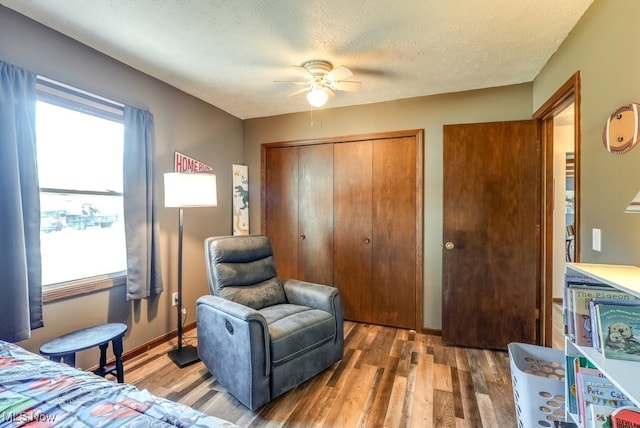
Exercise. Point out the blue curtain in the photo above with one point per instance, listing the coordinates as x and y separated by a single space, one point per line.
20 263
144 276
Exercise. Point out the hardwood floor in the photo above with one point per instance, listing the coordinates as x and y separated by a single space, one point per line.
388 378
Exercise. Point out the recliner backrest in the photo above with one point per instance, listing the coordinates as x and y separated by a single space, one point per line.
242 269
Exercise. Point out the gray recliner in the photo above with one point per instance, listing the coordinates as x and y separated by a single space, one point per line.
259 335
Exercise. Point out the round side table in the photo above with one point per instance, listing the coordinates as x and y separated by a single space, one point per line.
64 348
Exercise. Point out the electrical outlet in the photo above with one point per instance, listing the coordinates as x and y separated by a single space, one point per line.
174 299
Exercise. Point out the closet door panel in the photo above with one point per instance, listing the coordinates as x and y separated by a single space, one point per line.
315 219
394 231
352 228
281 205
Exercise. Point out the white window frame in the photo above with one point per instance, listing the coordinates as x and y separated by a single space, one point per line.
65 96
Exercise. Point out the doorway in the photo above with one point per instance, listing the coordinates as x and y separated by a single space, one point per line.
560 123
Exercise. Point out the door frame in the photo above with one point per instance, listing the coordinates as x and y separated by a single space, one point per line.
568 93
418 135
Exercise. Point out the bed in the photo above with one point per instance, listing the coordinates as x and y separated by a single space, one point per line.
35 391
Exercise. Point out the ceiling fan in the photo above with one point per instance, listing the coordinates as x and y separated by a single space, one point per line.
321 80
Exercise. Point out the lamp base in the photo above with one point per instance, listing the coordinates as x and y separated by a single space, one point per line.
184 356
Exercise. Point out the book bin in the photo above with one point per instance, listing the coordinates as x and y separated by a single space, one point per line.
537 375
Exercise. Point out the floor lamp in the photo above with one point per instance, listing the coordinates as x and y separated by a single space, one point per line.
187 190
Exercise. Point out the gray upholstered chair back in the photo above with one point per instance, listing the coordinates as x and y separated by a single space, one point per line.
242 269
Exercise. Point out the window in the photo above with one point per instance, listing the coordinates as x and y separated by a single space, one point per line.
80 140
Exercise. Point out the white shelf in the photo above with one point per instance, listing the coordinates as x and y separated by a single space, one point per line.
622 277
624 374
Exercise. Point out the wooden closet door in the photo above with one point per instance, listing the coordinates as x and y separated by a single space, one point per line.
394 232
281 208
353 204
315 213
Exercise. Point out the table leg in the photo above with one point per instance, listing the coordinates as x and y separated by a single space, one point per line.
68 359
102 370
117 351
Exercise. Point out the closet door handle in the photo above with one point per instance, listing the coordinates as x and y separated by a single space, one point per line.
303 237
367 240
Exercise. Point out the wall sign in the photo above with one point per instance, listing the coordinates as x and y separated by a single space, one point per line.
185 163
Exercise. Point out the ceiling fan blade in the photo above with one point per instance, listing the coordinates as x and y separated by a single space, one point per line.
329 92
291 82
302 70
339 73
346 85
298 92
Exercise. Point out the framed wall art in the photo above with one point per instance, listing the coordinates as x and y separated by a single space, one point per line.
240 199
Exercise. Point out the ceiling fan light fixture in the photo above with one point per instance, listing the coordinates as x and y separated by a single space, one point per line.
317 97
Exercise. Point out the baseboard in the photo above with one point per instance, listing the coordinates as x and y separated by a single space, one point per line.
431 331
138 350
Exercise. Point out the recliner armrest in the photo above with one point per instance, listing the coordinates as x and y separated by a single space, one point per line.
234 309
317 296
234 344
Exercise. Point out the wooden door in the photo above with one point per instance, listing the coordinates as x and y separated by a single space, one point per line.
353 235
394 232
315 213
491 255
281 208
299 211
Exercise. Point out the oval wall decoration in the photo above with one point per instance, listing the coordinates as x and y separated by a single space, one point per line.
620 133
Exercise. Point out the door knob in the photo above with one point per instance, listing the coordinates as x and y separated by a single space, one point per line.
449 245
367 240
303 237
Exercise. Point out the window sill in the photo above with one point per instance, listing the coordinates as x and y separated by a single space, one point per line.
64 290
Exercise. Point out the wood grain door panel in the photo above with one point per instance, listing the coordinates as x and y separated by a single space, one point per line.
315 216
394 233
281 205
353 204
492 215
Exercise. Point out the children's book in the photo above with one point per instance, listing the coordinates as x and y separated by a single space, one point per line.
599 416
595 325
581 316
619 331
573 282
573 364
596 389
625 417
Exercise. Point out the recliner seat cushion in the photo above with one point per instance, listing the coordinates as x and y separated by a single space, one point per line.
296 330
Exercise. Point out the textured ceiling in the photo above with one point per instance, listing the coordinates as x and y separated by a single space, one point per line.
229 53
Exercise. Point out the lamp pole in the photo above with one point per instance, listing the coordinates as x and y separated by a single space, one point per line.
187 355
184 190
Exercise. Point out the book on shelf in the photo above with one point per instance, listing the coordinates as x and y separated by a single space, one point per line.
572 366
599 416
595 321
579 297
572 282
594 388
625 417
618 327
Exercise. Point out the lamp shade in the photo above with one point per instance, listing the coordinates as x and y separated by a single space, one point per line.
185 189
